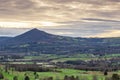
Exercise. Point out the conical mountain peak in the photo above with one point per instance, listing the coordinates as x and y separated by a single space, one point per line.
34 35
34 29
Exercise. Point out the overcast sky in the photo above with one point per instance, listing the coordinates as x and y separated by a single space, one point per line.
77 18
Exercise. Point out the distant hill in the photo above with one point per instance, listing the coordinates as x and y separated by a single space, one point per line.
33 35
4 38
37 41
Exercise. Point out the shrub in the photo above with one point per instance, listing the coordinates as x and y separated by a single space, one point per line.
105 72
27 78
115 77
15 78
1 76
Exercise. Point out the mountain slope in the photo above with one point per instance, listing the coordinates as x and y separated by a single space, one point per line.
42 42
4 38
33 35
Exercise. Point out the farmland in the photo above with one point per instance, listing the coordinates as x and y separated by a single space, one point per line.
58 75
57 66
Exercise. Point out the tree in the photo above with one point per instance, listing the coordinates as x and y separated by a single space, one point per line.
50 78
66 77
35 73
36 76
77 78
15 78
27 78
115 77
72 78
1 76
105 72
6 67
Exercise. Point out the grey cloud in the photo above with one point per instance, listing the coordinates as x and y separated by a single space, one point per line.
67 12
25 4
16 4
11 31
84 28
96 19
78 29
114 0
29 9
94 2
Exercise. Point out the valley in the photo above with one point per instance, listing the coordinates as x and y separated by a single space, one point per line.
43 56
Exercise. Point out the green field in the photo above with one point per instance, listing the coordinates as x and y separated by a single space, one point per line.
57 75
83 75
71 57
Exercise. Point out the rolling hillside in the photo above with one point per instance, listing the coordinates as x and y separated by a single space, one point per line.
4 38
41 42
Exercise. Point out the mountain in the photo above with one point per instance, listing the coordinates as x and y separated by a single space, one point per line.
38 41
4 38
33 35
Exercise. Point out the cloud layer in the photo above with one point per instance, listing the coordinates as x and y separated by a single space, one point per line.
77 18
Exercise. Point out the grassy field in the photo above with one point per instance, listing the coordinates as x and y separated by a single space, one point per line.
56 75
86 75
63 58
83 75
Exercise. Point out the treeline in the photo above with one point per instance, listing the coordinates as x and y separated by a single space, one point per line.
29 67
93 65
68 46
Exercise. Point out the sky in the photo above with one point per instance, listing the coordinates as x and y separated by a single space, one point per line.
76 18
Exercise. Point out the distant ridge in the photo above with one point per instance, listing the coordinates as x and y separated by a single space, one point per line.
4 38
33 35
42 42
